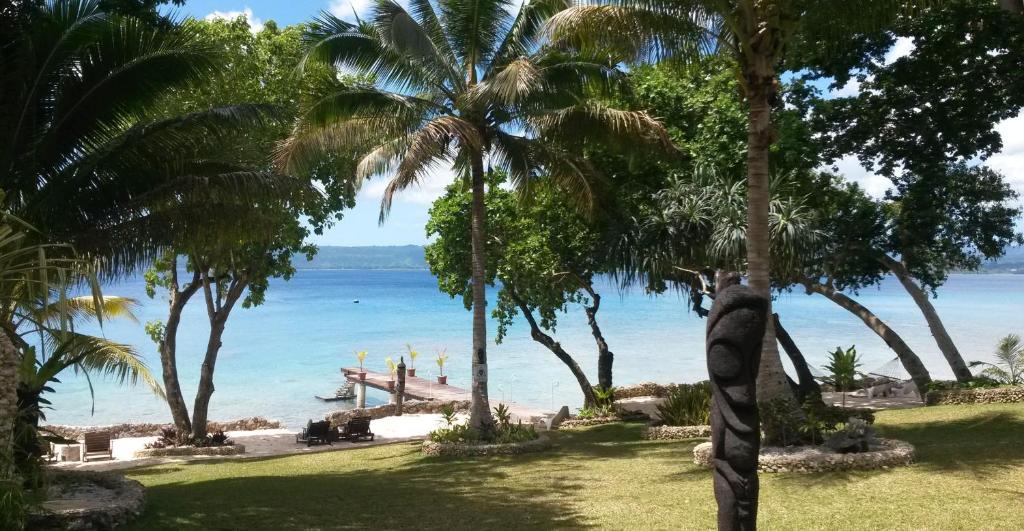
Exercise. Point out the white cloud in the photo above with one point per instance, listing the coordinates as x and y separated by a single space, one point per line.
430 187
901 48
1010 161
850 168
345 9
255 24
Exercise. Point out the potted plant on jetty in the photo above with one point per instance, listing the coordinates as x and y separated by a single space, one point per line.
393 370
361 355
441 358
412 357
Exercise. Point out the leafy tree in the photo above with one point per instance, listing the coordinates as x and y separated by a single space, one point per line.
917 120
545 255
243 244
469 84
1009 365
756 34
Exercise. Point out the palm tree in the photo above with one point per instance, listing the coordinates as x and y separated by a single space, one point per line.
1009 365
78 126
467 82
756 33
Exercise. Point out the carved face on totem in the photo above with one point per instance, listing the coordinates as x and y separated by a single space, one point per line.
735 330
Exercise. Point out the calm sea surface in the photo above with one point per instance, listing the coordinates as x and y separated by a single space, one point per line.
277 356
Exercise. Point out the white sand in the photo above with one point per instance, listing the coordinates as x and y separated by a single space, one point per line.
642 404
265 443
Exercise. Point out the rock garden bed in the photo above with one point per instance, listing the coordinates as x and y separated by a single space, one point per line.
88 501
434 448
664 433
175 451
120 431
884 453
623 416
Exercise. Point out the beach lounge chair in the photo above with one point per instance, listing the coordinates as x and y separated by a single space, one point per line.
315 433
355 429
97 442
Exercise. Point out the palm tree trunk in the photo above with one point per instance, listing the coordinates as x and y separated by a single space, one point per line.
538 335
605 358
908 358
942 339
1013 6
218 314
480 408
771 377
9 361
169 351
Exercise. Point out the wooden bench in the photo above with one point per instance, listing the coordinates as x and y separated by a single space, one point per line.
97 442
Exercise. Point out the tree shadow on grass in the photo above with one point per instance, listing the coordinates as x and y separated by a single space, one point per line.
982 443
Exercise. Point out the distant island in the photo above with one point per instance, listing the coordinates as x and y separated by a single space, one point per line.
369 257
411 257
1011 262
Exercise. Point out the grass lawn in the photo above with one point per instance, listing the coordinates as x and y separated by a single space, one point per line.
969 475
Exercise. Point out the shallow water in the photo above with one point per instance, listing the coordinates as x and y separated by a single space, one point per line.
276 357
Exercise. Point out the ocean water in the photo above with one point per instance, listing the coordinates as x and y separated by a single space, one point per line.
276 357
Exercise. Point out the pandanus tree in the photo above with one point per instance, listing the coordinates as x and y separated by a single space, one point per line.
756 33
469 83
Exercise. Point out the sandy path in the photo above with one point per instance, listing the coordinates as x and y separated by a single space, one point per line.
267 443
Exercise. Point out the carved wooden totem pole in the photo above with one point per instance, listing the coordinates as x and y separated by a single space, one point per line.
736 327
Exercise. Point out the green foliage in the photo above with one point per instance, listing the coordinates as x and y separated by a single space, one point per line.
14 503
856 436
515 433
842 368
979 382
502 415
441 359
687 405
604 396
543 251
1009 365
448 414
457 433
599 411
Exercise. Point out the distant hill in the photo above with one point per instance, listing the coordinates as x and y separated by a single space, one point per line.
382 257
1011 262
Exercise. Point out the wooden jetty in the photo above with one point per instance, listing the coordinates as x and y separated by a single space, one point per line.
424 389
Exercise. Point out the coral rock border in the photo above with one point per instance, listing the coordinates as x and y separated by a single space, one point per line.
671 433
889 453
119 500
998 395
179 451
437 449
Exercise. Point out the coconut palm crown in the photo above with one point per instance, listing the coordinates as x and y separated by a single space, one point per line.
469 83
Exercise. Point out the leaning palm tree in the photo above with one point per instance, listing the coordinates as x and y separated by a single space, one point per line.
1009 365
756 33
468 83
79 125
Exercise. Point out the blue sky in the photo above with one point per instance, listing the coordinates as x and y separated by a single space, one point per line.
409 211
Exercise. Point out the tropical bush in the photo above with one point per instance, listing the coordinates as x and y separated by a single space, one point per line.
596 412
687 405
504 432
842 369
1009 365
856 436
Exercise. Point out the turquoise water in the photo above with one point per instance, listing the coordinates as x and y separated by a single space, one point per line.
277 356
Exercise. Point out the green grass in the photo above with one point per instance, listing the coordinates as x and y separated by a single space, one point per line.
969 475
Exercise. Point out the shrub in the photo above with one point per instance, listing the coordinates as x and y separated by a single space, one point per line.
856 436
604 397
169 438
687 405
456 433
602 411
515 433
